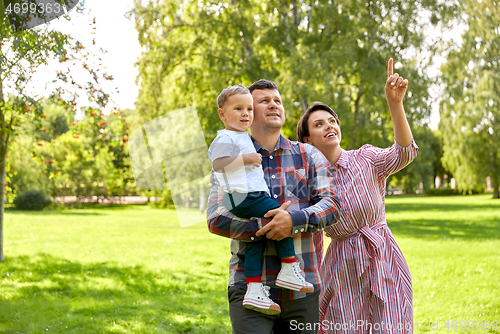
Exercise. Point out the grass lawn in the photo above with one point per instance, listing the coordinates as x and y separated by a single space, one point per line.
132 269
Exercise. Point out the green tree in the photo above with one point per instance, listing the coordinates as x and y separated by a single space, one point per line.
313 50
470 110
21 54
420 171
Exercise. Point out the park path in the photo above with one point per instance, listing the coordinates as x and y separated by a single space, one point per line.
116 199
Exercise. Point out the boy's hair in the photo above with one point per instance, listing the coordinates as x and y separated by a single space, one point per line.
230 91
263 84
303 127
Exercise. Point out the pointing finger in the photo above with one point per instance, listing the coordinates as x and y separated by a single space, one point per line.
389 67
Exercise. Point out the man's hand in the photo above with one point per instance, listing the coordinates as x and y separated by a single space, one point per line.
254 159
280 226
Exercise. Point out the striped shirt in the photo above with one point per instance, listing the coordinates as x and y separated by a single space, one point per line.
294 172
366 279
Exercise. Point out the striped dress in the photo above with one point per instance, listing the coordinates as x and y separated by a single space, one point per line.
366 281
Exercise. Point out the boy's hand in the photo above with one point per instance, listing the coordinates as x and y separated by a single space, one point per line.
254 159
395 86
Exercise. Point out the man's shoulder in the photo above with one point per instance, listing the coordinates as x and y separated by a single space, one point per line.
302 147
295 144
307 153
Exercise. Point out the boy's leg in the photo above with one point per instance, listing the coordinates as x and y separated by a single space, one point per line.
253 204
256 295
245 321
290 276
285 248
253 257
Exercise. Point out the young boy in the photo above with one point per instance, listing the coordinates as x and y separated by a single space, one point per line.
237 167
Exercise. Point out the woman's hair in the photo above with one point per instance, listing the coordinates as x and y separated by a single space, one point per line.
230 91
303 126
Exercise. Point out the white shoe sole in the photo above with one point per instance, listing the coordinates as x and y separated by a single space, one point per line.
295 287
256 306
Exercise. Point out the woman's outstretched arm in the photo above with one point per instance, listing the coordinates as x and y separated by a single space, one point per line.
395 89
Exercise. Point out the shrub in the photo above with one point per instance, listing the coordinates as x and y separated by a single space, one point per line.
445 191
32 200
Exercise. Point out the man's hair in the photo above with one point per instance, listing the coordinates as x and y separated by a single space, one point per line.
303 126
263 84
230 91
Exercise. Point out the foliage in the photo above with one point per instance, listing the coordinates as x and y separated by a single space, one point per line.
421 170
289 43
84 158
315 51
470 110
32 200
444 191
21 54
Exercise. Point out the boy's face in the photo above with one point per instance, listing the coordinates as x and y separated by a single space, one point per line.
237 112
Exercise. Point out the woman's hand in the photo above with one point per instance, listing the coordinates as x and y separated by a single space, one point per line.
395 86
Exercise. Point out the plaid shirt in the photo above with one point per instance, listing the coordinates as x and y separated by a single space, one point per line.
294 172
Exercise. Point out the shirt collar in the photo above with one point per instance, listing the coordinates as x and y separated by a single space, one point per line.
282 143
343 160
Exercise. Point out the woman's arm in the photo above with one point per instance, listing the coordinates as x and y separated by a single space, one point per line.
395 89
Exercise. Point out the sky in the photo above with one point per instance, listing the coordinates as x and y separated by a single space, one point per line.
117 35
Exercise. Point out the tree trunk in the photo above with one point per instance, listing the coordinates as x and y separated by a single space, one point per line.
3 154
203 200
289 42
304 103
202 197
2 189
495 188
309 17
361 89
494 176
295 20
354 135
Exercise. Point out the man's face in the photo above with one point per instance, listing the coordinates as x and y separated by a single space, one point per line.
268 110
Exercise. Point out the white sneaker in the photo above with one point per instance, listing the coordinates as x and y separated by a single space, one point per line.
290 277
257 299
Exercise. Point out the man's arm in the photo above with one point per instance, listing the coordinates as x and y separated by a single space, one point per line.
325 208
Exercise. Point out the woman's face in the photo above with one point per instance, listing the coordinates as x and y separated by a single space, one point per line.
324 131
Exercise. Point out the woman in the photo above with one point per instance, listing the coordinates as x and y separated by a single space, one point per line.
366 281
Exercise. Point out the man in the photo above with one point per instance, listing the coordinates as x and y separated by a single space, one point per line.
296 173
